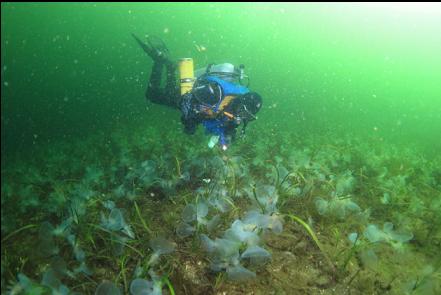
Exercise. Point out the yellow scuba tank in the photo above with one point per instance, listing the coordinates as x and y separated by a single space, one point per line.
186 74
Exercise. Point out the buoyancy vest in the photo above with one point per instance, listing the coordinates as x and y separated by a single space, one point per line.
228 93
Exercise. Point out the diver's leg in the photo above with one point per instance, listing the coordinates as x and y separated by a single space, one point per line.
169 95
154 92
171 87
156 76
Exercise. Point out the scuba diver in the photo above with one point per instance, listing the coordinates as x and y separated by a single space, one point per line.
214 98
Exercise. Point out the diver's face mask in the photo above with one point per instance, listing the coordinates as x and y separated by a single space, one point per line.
244 115
249 104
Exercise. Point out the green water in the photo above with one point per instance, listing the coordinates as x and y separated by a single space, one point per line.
73 69
71 72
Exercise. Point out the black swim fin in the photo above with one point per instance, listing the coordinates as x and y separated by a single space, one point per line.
158 51
144 46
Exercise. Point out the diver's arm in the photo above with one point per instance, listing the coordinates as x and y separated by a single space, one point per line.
226 135
189 117
230 132
189 125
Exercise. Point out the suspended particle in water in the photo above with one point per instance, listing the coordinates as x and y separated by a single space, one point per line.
6 83
375 128
66 99
166 30
67 37
75 61
374 95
